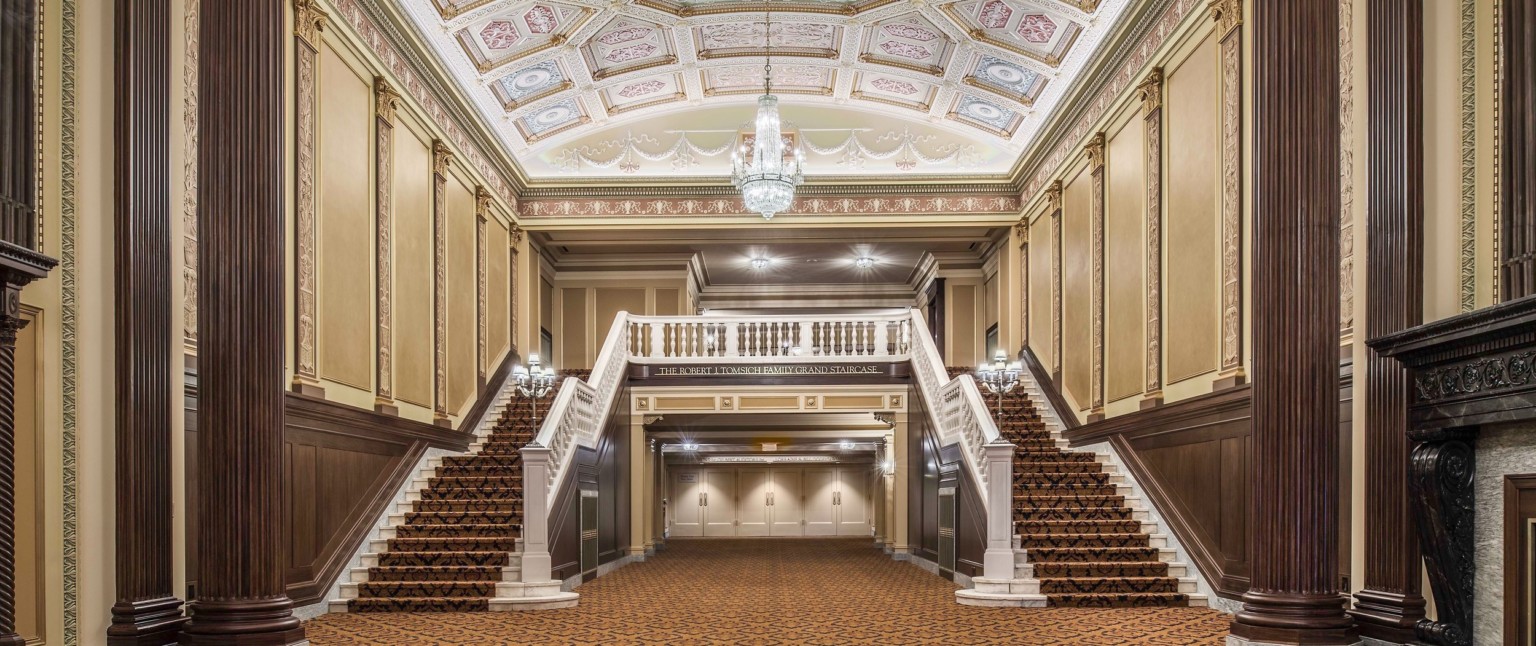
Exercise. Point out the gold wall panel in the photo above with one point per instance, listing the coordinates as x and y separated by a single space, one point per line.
572 336
546 303
667 302
685 403
861 402
462 286
344 253
498 286
1040 315
412 243
961 325
1192 223
610 301
1077 286
760 402
31 607
1125 262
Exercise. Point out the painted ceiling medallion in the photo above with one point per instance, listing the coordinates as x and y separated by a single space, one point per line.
552 75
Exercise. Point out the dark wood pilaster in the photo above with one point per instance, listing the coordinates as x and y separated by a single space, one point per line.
20 262
242 593
1517 139
147 610
1389 605
1294 595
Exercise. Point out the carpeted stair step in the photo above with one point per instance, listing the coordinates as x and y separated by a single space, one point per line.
1036 527
1061 512
487 495
423 530
420 604
1063 489
454 544
479 470
442 559
1067 499
490 573
462 518
511 505
1033 541
395 589
1025 466
1047 479
1110 585
1083 554
1056 455
1045 571
495 484
478 460
1121 600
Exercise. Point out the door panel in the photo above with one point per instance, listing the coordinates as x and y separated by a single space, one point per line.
787 508
719 502
820 502
853 502
752 508
685 509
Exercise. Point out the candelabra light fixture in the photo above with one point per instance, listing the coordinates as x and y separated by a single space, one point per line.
999 378
767 172
533 381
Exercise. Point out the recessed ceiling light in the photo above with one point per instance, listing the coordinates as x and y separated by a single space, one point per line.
864 262
760 263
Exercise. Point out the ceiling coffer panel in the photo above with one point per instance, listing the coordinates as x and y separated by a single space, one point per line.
946 86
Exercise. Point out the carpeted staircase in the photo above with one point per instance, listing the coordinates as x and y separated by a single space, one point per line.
455 544
1079 541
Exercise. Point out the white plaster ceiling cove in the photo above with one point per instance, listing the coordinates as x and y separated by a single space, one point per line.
662 88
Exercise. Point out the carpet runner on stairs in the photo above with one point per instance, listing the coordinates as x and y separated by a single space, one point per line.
1079 537
457 549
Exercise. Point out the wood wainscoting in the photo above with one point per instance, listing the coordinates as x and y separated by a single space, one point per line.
606 470
935 467
1192 458
342 467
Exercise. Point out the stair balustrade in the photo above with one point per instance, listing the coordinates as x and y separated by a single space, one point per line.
581 408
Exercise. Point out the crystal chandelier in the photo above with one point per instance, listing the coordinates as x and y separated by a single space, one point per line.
767 180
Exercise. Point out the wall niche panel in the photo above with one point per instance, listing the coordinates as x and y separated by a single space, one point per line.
1125 262
498 298
1040 315
462 286
344 223
667 302
1077 286
573 328
1192 223
412 244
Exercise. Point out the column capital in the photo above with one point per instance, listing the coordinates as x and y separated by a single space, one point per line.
441 157
1228 15
1095 151
1150 91
308 21
1053 196
386 99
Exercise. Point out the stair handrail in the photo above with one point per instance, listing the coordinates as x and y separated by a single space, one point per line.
957 409
817 338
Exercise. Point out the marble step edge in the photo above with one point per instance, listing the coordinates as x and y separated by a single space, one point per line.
1176 569
509 574
1147 527
505 604
371 559
393 532
1164 554
504 589
1159 541
381 545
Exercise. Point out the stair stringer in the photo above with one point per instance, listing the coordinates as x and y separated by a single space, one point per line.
1171 551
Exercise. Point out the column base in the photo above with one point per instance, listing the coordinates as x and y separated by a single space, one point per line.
1294 619
12 639
1225 381
439 419
152 622
258 622
308 388
1387 616
386 406
1095 415
1152 400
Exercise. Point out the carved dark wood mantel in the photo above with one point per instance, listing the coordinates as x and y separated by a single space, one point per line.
1466 371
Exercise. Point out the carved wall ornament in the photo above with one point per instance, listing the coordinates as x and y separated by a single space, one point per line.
515 234
386 99
306 371
189 178
1053 197
1228 15
1094 149
1231 199
1021 230
1474 377
480 285
1096 301
308 21
440 158
1441 471
1150 91
717 206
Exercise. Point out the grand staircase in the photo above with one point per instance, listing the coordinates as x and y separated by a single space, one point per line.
455 544
1080 538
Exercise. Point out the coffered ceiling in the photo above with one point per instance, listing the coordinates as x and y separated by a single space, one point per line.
661 88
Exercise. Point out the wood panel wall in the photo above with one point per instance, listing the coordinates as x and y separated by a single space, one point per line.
932 466
606 469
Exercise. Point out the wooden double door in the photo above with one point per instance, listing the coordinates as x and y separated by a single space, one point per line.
754 501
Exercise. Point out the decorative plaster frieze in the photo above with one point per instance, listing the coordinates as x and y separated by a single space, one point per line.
730 206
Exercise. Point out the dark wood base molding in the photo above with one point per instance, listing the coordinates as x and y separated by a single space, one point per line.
1387 616
386 409
308 389
1229 381
253 622
152 622
1287 618
1151 402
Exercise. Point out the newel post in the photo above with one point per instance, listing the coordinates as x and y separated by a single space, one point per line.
536 560
998 463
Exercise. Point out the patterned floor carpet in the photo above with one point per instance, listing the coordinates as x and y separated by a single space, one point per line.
835 591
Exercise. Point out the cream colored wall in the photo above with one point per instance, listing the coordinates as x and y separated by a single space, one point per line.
1077 285
1193 223
585 304
1125 260
344 218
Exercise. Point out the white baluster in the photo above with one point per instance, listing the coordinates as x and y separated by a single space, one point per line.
806 343
656 340
882 333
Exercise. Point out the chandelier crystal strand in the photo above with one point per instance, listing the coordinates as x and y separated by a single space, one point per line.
767 181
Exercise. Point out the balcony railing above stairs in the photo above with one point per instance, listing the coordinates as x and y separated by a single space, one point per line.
580 408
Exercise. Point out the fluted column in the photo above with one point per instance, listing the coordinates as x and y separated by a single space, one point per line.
1295 595
1390 605
241 566
147 610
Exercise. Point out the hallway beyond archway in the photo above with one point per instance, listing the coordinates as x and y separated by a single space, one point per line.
790 591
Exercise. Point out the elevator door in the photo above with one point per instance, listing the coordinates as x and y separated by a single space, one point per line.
786 507
687 504
719 502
